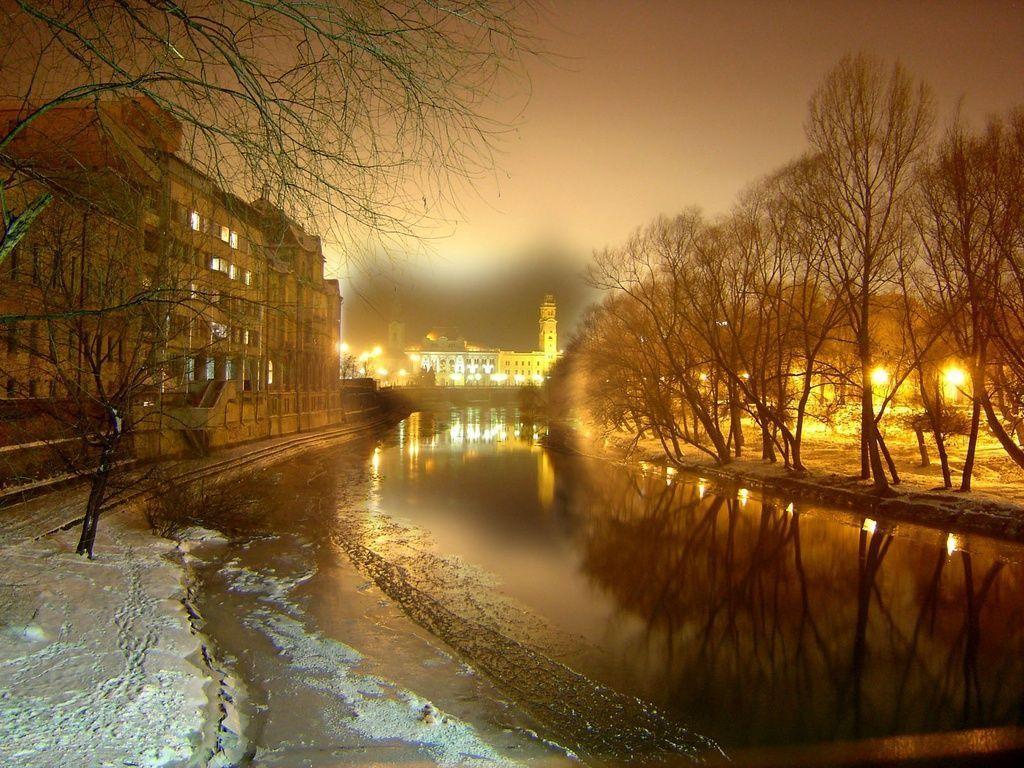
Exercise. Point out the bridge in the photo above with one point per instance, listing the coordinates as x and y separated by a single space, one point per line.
419 397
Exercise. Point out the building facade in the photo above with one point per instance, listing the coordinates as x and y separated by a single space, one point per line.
455 362
247 339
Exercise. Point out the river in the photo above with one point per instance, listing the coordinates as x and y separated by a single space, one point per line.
455 590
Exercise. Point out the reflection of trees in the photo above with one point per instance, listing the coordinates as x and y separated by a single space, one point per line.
787 627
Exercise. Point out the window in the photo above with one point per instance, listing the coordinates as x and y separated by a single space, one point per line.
225 234
232 271
218 330
221 265
233 239
270 371
194 220
150 241
245 336
247 277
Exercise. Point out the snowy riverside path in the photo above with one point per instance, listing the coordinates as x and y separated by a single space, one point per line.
101 662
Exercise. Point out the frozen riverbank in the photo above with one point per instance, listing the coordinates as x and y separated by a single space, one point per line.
335 672
100 664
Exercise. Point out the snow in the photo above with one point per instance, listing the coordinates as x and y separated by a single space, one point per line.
383 711
99 665
378 710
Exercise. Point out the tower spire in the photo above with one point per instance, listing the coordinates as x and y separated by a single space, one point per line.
548 340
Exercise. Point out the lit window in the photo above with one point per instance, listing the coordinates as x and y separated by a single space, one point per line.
194 220
247 277
233 239
219 330
225 234
232 271
245 336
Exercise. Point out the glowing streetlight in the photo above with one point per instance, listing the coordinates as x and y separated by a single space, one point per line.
955 377
382 371
879 377
377 351
343 347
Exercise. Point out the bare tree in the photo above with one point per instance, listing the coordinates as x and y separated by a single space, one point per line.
361 114
870 126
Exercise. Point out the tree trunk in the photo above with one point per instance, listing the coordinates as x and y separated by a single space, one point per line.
97 491
888 457
972 444
922 446
1015 451
869 432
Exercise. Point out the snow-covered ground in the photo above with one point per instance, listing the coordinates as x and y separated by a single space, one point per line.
99 665
104 663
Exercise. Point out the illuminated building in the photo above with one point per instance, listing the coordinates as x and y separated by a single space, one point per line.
251 342
449 360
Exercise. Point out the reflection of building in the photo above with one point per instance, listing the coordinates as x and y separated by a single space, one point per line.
451 360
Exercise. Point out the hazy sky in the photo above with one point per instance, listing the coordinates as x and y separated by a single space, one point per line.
652 107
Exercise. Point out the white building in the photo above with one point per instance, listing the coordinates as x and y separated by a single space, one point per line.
454 362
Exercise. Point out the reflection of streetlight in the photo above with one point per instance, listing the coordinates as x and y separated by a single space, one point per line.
879 376
952 543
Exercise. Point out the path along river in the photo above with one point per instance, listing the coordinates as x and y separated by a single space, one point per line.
457 593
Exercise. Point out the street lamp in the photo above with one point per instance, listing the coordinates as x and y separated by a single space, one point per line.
954 378
879 377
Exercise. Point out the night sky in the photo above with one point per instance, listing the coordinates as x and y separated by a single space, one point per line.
645 108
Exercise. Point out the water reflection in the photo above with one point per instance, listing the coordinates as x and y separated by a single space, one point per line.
772 625
756 622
